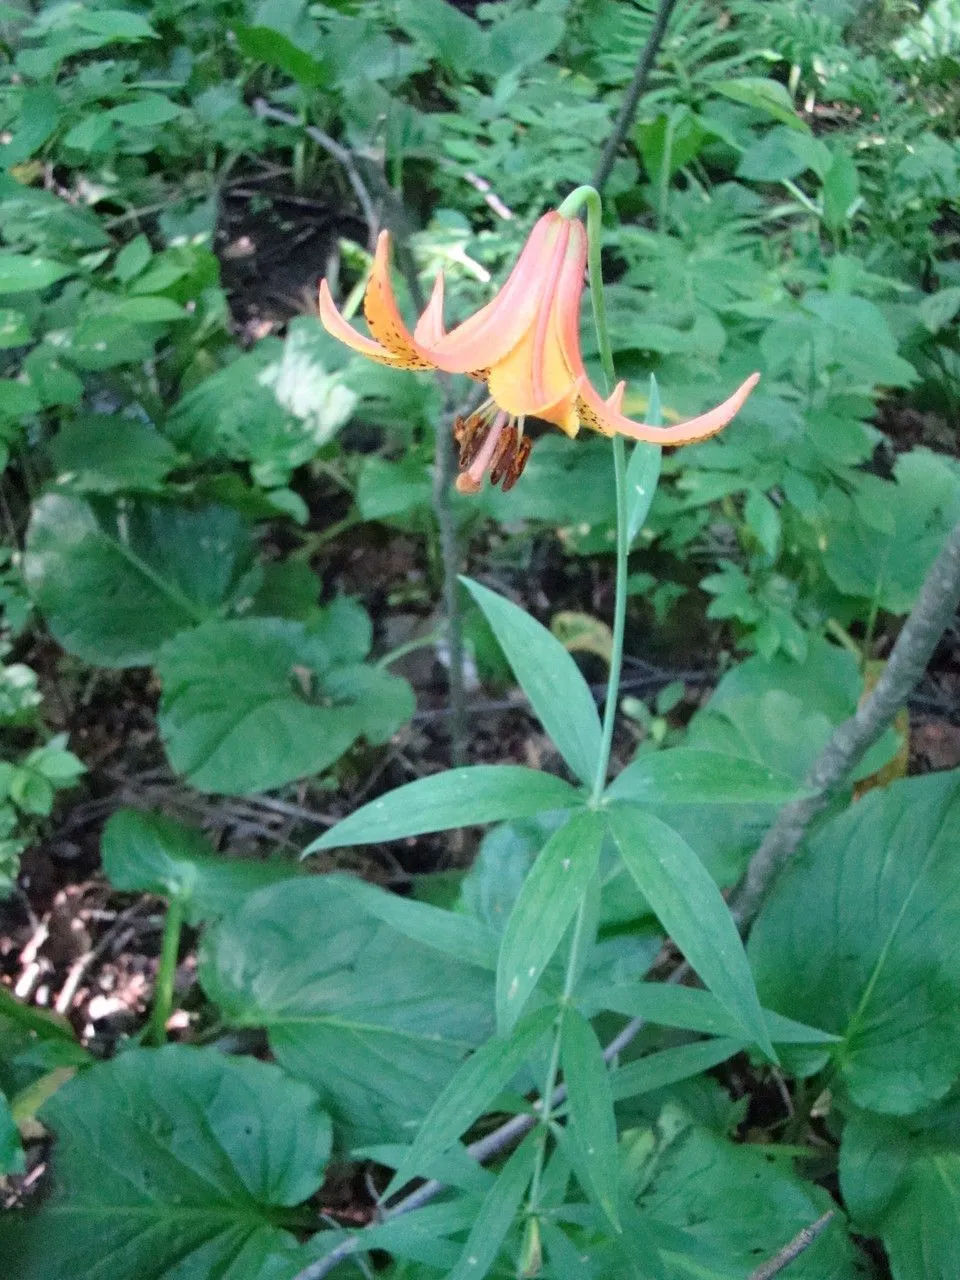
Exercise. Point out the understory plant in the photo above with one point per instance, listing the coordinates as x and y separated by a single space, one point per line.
691 1011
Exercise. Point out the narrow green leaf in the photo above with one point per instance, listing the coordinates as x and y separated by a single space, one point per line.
684 775
657 1070
692 1009
461 936
497 1213
643 469
690 907
485 1074
457 798
549 677
544 908
592 1126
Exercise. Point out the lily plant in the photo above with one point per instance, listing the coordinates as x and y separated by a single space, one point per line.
524 344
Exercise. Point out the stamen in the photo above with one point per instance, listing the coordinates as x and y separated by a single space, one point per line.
490 442
524 447
472 478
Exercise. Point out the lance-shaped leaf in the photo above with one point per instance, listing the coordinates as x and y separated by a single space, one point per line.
548 901
684 775
457 798
549 677
691 909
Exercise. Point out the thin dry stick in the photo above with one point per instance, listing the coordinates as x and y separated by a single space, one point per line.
790 1252
631 98
932 614
333 148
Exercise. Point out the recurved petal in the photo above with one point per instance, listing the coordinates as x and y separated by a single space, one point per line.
338 328
604 417
383 315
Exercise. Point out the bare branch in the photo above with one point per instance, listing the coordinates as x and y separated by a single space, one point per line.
333 148
933 612
790 1252
633 94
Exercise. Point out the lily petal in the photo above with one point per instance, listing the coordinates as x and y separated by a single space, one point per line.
337 327
383 315
430 328
491 334
605 418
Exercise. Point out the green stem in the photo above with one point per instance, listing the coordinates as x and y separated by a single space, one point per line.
156 1032
553 1067
619 621
589 197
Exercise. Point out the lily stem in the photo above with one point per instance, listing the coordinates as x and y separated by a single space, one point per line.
577 942
591 198
156 1032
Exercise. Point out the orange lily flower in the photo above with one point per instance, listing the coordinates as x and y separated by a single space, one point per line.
525 345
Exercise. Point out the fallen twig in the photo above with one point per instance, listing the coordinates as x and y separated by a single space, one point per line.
931 616
633 94
790 1252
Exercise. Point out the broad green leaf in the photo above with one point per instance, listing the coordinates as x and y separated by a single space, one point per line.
200 1161
768 96
668 1066
453 39
901 1182
272 408
458 798
497 1213
148 310
591 1124
264 44
880 954
841 188
115 581
96 453
936 310
689 906
148 112
149 853
11 1149
763 521
256 703
548 902
691 1009
450 932
341 994
14 328
781 713
924 504
471 1091
24 273
39 117
40 1022
114 24
738 1204
684 775
549 677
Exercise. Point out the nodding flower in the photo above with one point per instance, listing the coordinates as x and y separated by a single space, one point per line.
525 345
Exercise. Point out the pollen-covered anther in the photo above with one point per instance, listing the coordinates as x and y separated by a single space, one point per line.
491 443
